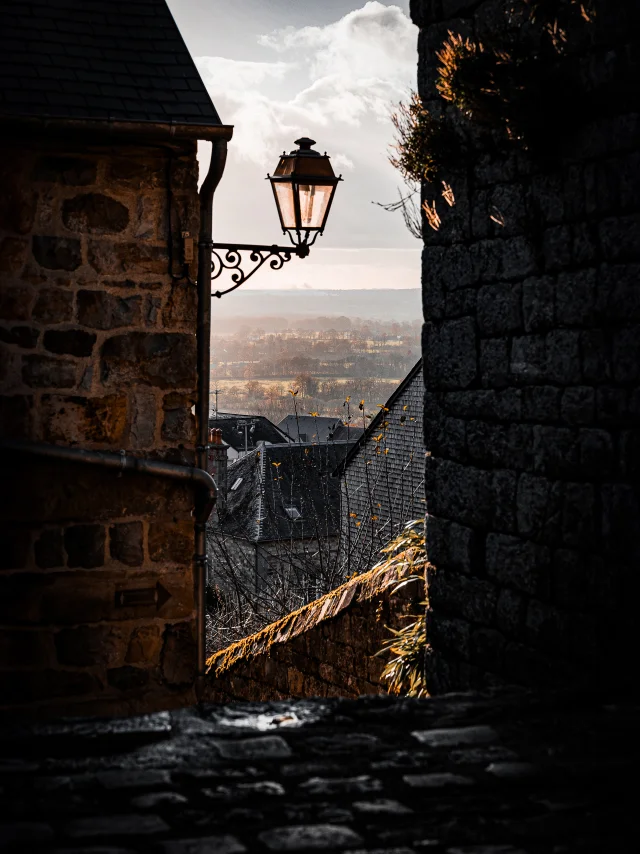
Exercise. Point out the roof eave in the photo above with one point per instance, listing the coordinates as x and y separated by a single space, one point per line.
116 130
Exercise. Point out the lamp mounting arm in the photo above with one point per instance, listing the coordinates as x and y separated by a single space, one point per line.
229 256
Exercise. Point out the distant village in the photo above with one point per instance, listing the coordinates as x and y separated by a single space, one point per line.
307 502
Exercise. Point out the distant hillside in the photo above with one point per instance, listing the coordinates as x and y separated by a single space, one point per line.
243 306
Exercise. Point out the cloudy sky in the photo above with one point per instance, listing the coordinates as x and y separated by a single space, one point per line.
331 70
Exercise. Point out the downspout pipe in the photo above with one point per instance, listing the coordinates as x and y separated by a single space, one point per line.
216 169
121 462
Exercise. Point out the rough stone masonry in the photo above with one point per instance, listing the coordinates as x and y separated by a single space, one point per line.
532 370
98 351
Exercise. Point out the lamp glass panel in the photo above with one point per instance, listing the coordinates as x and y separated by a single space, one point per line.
314 199
284 195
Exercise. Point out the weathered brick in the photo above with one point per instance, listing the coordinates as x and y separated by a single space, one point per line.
171 541
57 253
450 354
80 419
517 563
499 309
102 310
69 342
45 372
53 305
166 360
126 543
85 545
94 213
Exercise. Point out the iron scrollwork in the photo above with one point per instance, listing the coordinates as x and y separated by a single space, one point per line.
228 256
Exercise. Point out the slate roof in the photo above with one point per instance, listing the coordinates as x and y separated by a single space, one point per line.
275 477
318 428
117 60
374 425
264 430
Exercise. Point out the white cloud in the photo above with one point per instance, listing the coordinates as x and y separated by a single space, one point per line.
347 74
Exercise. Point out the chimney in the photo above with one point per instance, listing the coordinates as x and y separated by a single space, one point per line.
217 466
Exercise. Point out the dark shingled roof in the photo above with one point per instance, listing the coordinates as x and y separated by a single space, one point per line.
275 477
232 429
318 428
117 60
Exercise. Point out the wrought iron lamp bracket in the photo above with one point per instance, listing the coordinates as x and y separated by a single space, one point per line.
229 256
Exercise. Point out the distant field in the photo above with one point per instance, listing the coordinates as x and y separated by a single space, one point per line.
267 381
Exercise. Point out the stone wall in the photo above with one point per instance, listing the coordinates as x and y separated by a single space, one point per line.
532 369
326 649
98 351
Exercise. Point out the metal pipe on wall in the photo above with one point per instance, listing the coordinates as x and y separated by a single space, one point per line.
207 191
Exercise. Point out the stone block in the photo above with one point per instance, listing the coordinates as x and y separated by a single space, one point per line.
69 342
557 243
85 545
620 513
579 519
16 412
630 455
25 337
450 353
511 608
77 420
182 305
489 404
620 291
495 445
576 298
470 598
46 372
49 548
541 404
595 352
179 422
447 634
57 253
165 360
517 563
126 543
471 496
620 238
71 171
447 439
102 310
90 646
578 405
556 451
461 303
53 305
137 172
612 409
563 363
143 418
538 304
114 259
16 302
494 362
499 309
597 454
14 252
94 213
528 359
539 508
548 196
626 354
171 541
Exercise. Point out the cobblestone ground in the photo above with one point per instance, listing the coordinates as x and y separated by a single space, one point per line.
462 774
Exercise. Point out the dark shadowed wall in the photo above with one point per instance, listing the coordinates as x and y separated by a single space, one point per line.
99 352
532 369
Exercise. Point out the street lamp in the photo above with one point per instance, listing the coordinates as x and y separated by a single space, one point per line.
304 185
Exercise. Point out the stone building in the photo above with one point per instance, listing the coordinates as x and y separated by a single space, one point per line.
532 361
100 109
382 476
